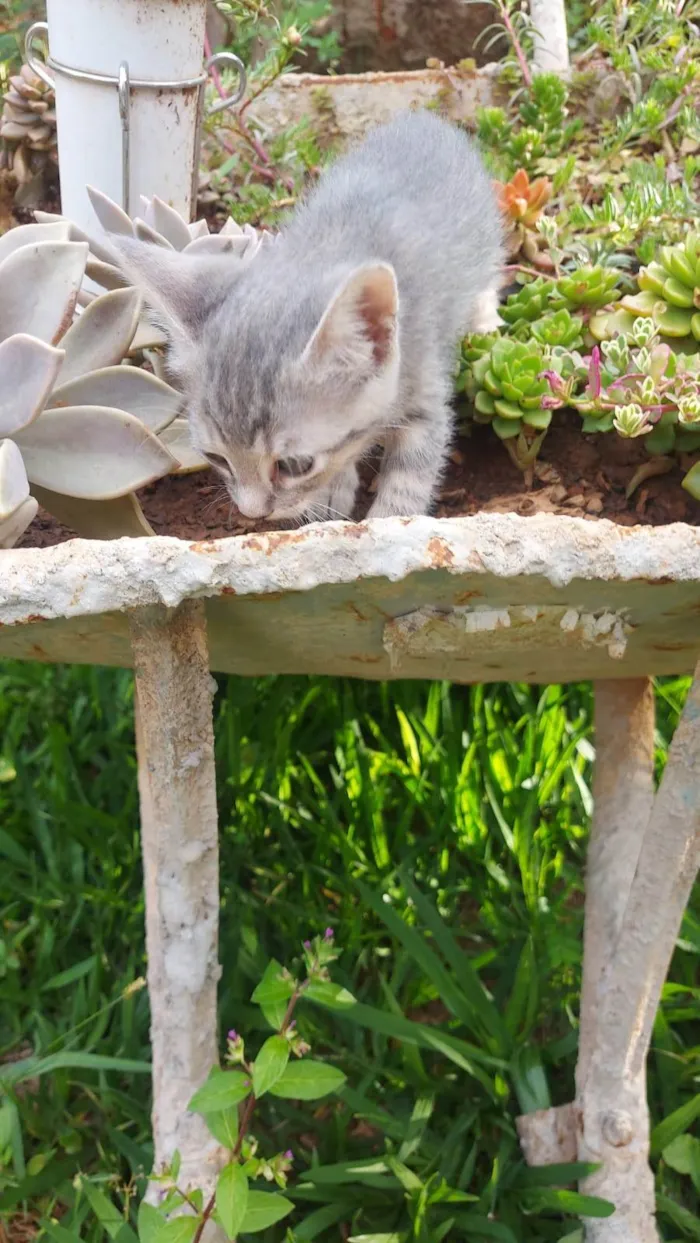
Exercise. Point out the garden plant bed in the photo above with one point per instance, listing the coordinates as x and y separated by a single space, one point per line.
579 476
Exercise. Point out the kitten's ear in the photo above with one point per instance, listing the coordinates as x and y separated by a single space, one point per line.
357 333
181 290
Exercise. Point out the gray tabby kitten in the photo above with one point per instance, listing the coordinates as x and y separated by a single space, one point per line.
342 334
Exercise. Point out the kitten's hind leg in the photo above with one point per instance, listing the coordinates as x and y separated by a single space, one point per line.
485 316
413 461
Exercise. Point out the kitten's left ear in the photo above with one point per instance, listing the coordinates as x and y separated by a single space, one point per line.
357 332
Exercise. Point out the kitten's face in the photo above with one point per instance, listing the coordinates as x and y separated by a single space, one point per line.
279 410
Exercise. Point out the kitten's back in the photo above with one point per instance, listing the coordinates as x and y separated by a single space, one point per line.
414 194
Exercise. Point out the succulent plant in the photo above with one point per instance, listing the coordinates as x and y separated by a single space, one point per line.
522 203
508 389
76 425
28 130
529 303
558 328
588 287
670 290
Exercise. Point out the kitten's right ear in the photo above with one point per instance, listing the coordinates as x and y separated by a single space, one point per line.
181 290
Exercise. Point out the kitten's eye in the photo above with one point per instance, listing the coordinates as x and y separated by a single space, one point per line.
217 460
294 467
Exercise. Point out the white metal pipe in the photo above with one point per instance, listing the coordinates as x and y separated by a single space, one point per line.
551 40
159 42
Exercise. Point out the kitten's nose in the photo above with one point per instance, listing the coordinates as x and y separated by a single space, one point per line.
255 506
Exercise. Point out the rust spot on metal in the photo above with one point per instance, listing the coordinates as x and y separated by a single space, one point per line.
34 617
228 591
278 539
440 553
464 596
352 608
205 546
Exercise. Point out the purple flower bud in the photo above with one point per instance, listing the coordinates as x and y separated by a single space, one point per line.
328 934
289 1155
554 381
233 1034
307 945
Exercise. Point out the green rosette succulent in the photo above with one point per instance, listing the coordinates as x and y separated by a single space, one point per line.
588 287
559 328
669 290
473 347
529 303
510 387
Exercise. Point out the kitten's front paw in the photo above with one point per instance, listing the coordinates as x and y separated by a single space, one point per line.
396 509
338 503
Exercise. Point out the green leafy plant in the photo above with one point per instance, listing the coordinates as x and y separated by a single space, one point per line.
227 1101
538 128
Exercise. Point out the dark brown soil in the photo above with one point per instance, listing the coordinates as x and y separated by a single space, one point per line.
582 476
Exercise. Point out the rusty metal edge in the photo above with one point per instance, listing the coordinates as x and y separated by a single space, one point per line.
83 577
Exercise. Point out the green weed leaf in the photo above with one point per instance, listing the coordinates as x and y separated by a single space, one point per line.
270 1064
232 1198
264 1209
308 1081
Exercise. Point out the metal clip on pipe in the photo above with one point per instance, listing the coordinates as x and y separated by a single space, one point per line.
125 84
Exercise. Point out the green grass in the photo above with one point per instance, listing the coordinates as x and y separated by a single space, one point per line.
326 789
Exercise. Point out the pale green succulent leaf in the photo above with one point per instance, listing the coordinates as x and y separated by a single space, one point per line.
146 233
13 528
678 293
110 216
176 438
641 303
102 335
127 388
14 485
674 322
219 243
691 482
506 429
92 452
28 234
121 516
483 402
105 274
540 419
100 250
198 228
169 223
40 284
507 409
652 278
28 371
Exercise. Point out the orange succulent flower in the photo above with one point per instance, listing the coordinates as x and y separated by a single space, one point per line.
523 201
